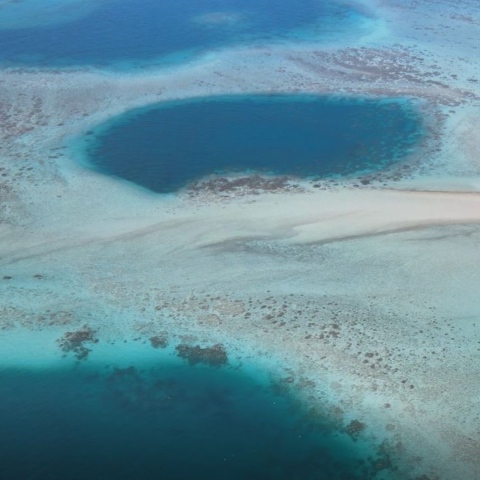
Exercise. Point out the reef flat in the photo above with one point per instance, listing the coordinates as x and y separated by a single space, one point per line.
358 294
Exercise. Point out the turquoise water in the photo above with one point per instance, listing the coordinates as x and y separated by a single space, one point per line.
165 147
123 33
164 422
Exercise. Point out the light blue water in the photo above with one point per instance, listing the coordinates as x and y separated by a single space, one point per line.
123 33
164 422
165 147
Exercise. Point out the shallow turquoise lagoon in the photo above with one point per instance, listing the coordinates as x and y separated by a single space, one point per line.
122 33
165 422
165 147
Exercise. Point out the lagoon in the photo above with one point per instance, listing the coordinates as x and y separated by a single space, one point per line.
119 34
166 147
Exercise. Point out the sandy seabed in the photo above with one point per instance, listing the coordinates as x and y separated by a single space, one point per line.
363 292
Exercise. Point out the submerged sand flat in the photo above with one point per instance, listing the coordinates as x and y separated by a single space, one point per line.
363 294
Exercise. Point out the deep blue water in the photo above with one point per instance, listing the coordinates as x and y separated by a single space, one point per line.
132 32
170 422
165 147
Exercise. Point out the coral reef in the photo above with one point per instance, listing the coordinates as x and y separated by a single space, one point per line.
136 392
354 428
214 356
75 342
252 185
159 341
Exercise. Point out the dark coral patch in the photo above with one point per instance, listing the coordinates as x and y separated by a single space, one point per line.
214 356
75 342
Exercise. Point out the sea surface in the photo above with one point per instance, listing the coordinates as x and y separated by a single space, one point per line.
82 420
122 34
165 147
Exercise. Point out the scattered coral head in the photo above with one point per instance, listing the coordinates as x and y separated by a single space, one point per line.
214 356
